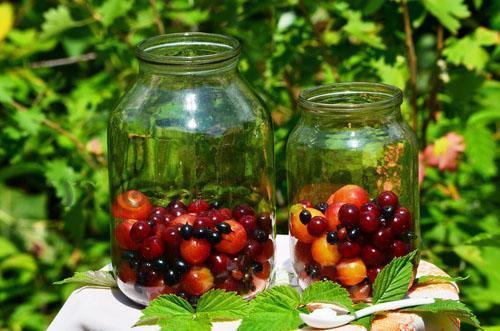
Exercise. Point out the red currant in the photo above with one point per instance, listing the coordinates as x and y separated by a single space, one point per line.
219 263
372 273
253 249
140 231
387 198
152 248
383 238
368 222
172 236
399 248
241 210
317 226
349 215
122 234
399 224
249 222
372 256
349 249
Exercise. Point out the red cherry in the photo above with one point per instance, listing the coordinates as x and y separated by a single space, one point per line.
172 236
140 231
372 256
267 251
403 213
368 222
159 211
241 210
195 251
349 249
131 205
197 281
383 238
352 194
317 226
332 215
198 205
234 241
349 215
219 263
387 198
152 248
253 249
249 222
176 204
122 235
158 230
372 273
399 248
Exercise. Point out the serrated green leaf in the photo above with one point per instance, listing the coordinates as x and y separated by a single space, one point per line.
362 31
327 292
467 52
432 279
275 309
449 308
57 20
96 278
448 12
480 149
393 281
166 307
366 322
185 324
113 9
219 305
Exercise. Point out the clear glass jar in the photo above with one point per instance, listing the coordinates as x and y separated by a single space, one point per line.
353 185
191 174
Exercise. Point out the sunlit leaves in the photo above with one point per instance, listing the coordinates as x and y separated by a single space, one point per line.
360 31
448 12
57 20
112 9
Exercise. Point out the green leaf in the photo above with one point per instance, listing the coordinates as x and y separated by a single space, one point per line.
57 20
448 12
431 279
449 308
63 178
392 282
480 149
275 309
366 321
219 305
184 324
102 278
113 9
164 308
484 239
327 292
29 121
467 52
360 31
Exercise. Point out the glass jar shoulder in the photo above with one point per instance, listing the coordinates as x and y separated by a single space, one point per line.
208 106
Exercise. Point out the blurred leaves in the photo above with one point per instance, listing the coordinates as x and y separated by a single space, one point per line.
449 12
57 20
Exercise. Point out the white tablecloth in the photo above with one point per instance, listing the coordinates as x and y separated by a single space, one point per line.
102 309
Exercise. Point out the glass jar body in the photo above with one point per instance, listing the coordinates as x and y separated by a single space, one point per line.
336 165
188 153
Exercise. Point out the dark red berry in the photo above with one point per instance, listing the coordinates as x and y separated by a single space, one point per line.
176 204
342 233
252 249
399 224
372 256
197 206
322 207
387 198
159 264
241 210
370 207
140 231
159 211
312 270
152 248
305 216
372 273
172 236
399 248
226 213
349 249
265 222
177 212
214 205
317 226
219 263
215 216
306 203
349 215
403 213
354 233
368 222
249 222
383 238
203 222
260 235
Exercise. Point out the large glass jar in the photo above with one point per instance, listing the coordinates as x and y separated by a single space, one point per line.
353 185
191 174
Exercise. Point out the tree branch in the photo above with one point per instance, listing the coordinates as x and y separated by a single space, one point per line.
64 61
412 62
158 21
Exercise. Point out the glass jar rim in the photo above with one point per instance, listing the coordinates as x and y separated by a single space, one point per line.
170 49
350 97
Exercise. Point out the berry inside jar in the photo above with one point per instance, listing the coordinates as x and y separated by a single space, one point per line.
189 248
350 238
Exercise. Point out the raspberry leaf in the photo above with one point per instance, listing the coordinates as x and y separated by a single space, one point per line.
101 278
219 305
393 281
450 308
327 292
164 308
185 324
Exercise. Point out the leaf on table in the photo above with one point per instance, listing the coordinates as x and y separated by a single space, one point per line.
366 322
392 282
449 308
432 279
113 9
448 12
275 309
166 307
57 20
102 278
185 324
219 305
327 292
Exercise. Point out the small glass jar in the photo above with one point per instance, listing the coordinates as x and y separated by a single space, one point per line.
353 185
191 174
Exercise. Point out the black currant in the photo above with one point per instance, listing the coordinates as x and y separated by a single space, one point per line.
332 237
186 231
224 227
305 216
322 206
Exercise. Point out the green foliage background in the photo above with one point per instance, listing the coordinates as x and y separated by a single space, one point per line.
53 180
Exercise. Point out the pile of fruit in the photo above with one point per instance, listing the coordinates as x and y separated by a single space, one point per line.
349 238
187 250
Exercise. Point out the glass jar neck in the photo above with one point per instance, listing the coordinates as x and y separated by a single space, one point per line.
192 53
350 103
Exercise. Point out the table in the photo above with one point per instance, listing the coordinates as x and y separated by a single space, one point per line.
103 309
